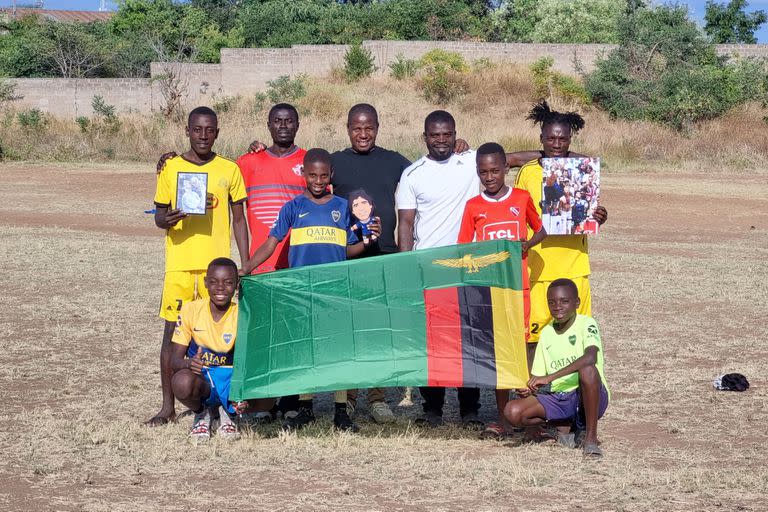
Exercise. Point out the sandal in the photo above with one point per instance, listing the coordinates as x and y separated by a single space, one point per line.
493 431
201 428
592 450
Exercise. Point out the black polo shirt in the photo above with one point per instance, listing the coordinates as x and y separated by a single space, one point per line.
377 173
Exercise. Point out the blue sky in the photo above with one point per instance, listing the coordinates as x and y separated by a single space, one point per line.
696 7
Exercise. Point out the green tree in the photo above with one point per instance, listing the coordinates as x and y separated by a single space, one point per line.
665 70
577 21
730 23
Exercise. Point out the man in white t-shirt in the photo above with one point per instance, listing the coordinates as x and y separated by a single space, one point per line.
430 203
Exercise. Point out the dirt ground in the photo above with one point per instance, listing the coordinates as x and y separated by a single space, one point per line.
680 280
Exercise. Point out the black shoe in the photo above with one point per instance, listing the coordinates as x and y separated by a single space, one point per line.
472 422
429 419
303 417
342 421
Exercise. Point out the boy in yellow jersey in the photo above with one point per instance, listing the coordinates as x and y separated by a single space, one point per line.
203 346
567 381
192 241
557 256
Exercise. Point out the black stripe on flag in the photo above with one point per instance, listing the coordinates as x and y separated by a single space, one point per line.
477 351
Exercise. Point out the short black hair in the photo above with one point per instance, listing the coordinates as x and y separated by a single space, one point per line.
439 116
542 115
317 155
283 106
202 111
363 108
222 262
360 193
491 148
567 283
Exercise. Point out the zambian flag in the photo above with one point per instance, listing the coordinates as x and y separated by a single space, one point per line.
450 316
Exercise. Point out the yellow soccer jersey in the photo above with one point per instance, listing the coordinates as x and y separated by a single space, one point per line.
196 328
196 240
558 255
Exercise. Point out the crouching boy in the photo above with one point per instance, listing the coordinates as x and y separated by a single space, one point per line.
567 384
203 346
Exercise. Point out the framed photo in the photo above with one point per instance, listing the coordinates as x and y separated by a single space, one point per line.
191 192
570 195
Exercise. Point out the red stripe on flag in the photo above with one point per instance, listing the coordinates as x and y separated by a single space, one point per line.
444 359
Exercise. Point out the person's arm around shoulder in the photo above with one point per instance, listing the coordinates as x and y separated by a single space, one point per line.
164 158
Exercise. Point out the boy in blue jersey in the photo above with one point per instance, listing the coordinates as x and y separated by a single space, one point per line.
320 232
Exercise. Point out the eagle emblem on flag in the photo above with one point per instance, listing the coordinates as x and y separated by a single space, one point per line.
473 264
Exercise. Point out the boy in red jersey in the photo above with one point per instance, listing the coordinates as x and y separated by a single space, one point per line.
501 212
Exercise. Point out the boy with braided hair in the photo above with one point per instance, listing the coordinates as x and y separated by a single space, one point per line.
564 256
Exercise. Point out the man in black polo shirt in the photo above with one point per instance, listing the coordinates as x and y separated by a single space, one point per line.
367 176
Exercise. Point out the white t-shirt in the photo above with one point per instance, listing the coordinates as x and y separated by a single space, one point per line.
438 192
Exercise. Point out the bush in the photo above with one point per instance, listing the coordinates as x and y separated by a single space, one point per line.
358 63
287 89
443 76
32 120
7 91
105 118
548 83
403 68
223 104
664 70
84 123
450 60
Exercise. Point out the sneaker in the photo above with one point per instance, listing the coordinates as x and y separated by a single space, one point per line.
429 419
201 426
296 420
381 413
342 421
472 421
227 428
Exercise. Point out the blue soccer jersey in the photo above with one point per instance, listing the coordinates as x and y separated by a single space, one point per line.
320 233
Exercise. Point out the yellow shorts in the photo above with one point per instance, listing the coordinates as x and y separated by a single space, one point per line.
180 287
540 310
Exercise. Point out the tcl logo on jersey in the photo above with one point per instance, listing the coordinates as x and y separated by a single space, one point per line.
507 230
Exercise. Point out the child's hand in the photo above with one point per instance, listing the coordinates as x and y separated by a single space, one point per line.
173 216
460 146
600 215
524 392
246 269
536 382
196 363
256 147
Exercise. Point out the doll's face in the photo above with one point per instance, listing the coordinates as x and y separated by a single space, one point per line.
361 208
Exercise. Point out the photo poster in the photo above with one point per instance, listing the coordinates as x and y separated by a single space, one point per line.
570 195
191 192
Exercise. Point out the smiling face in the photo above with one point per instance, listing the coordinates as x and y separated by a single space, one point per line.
283 125
492 169
556 139
317 176
362 208
563 302
221 283
440 138
362 129
202 131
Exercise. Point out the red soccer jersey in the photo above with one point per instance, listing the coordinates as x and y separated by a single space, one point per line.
507 217
270 182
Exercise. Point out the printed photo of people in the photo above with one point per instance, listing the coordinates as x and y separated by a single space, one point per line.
571 192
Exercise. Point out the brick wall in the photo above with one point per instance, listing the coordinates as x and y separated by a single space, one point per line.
245 71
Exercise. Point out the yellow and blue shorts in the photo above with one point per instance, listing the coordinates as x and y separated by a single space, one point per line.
540 309
179 287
